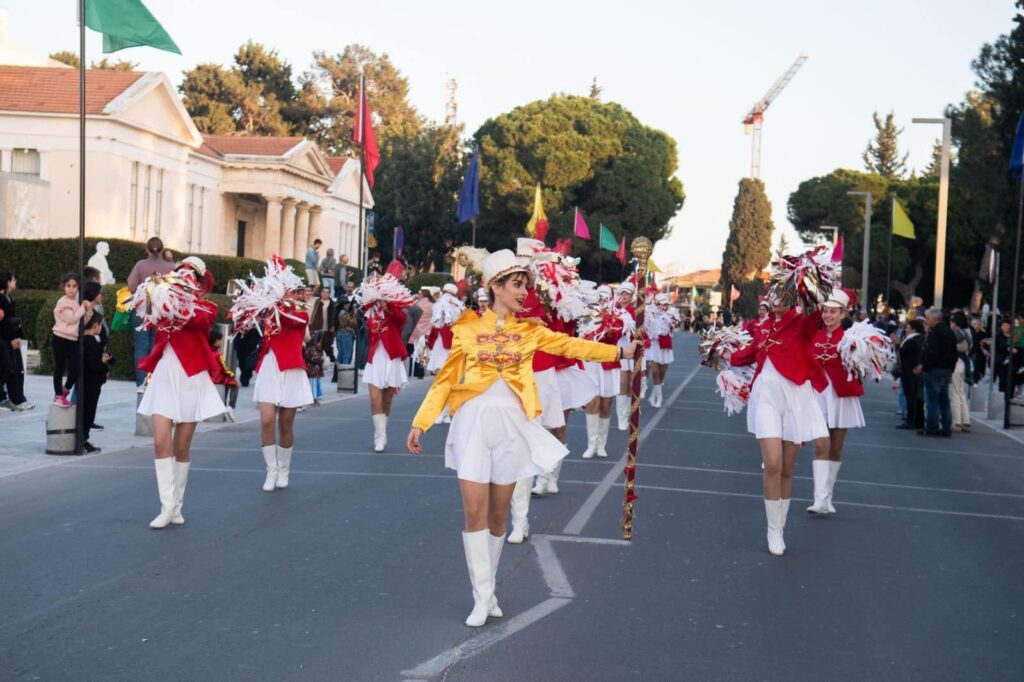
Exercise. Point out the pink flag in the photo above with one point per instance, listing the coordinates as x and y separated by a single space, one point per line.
581 231
837 251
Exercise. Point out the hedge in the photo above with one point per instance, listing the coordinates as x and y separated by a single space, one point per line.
428 279
42 263
120 344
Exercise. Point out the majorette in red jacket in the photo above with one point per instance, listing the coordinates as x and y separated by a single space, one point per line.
533 308
826 352
386 330
287 343
191 343
613 329
787 344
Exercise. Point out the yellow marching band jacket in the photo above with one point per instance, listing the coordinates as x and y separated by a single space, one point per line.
481 353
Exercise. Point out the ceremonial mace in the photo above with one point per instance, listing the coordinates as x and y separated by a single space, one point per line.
641 248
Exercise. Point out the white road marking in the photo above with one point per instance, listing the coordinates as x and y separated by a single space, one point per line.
582 540
589 506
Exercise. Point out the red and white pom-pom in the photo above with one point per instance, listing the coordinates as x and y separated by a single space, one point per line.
866 352
658 322
385 289
558 284
805 280
734 387
446 310
166 299
261 302
716 341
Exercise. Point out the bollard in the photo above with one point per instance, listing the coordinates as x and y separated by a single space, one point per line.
60 431
143 422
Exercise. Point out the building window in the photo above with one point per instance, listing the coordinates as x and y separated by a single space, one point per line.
191 216
145 201
159 201
133 216
25 162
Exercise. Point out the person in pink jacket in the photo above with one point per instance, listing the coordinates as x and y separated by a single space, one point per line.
67 315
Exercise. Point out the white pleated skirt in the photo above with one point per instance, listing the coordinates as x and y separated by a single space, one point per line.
384 371
840 413
437 356
491 440
662 356
284 388
181 398
607 380
778 408
576 387
552 413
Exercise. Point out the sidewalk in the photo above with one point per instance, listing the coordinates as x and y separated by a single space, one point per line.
24 433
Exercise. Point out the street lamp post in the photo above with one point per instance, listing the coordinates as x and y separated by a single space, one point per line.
940 232
867 247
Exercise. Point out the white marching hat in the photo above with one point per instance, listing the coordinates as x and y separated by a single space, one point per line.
196 263
628 287
482 295
661 299
838 299
450 288
501 263
605 291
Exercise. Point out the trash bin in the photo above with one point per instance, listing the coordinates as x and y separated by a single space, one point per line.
60 431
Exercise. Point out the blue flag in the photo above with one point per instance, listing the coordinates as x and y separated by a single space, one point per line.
1017 155
469 197
399 241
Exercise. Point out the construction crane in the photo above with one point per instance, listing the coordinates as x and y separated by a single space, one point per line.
755 119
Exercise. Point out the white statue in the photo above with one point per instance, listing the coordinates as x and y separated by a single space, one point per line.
98 260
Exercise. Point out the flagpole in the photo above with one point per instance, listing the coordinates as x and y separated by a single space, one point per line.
362 168
995 330
1013 309
575 219
472 222
79 383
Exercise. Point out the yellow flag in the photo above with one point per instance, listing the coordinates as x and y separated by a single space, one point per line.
538 219
901 225
651 267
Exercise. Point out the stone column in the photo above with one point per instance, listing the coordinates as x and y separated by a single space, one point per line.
272 230
302 237
288 230
314 222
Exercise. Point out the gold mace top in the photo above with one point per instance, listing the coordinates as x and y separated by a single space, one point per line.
642 248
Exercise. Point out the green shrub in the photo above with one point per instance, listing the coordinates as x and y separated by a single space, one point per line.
428 279
29 304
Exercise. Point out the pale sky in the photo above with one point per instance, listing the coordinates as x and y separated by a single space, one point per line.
692 69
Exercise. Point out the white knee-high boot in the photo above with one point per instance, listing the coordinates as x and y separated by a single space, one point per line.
180 481
478 561
773 512
819 468
592 425
622 411
783 515
520 512
165 489
284 463
833 474
495 543
553 479
270 457
603 425
380 432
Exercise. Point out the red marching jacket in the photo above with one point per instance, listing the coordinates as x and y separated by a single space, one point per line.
387 331
287 344
533 308
444 333
826 352
787 343
612 336
191 343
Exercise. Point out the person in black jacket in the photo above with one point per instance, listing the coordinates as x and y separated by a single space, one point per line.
910 357
12 369
96 370
937 364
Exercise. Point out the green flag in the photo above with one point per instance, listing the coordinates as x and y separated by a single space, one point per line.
608 241
126 23
901 225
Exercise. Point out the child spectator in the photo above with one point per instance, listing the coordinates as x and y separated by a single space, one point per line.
97 366
227 378
66 316
313 354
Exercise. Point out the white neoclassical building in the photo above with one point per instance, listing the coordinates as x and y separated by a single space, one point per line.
150 172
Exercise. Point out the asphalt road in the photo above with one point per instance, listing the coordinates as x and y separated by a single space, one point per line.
356 572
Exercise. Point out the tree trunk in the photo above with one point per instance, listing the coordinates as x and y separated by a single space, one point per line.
907 289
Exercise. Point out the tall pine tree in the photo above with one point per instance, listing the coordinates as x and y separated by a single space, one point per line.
882 155
749 246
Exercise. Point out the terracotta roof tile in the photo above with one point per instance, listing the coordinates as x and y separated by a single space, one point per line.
251 145
55 91
336 163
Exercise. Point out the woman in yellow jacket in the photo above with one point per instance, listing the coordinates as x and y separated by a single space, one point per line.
494 439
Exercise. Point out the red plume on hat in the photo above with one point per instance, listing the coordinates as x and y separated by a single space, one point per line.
463 287
853 297
396 269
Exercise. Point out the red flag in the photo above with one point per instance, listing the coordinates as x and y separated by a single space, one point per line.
621 253
564 246
364 135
